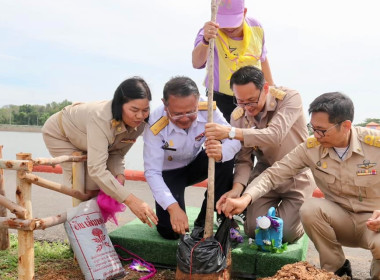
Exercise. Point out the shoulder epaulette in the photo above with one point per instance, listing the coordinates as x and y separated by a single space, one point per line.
372 140
237 113
202 105
312 142
115 123
159 125
277 93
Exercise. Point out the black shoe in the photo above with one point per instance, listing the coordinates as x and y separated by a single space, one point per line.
345 269
167 233
219 219
241 217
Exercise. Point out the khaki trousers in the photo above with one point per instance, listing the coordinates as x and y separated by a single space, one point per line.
290 195
330 227
59 145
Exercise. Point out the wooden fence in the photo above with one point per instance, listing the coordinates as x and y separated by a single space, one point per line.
22 208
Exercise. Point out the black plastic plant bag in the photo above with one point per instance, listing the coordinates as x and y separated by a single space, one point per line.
196 255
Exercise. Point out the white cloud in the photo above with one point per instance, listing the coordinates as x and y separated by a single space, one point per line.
81 50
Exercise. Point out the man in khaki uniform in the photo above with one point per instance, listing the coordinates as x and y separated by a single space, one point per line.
270 122
343 160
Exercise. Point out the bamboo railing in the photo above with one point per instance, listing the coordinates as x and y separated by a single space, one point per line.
23 221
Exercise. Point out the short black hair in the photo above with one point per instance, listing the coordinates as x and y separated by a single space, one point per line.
337 105
180 86
248 74
130 89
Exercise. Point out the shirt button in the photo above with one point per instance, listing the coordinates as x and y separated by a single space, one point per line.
170 158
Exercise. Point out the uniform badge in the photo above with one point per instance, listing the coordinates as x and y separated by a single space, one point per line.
277 93
366 168
203 105
159 125
237 113
167 146
324 165
128 141
200 136
312 142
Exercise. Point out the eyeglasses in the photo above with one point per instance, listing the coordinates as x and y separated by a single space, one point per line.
320 132
248 104
180 116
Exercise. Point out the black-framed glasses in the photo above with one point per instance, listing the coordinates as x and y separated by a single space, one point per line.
248 104
320 132
183 115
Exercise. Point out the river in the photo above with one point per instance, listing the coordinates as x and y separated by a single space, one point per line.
32 142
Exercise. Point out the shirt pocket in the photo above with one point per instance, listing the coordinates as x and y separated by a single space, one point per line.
328 181
368 185
197 146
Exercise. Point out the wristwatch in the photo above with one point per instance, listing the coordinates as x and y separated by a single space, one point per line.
232 133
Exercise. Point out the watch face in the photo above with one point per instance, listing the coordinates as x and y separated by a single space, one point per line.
231 134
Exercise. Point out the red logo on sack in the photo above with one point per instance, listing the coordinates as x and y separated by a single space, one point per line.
99 239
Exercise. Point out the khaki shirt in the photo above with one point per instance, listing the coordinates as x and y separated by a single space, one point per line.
90 127
353 183
279 128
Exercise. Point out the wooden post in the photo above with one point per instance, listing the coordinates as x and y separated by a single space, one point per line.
209 223
4 234
78 178
25 238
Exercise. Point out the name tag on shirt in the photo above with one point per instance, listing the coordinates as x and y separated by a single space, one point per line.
128 141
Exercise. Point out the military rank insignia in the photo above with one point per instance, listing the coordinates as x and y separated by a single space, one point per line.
366 168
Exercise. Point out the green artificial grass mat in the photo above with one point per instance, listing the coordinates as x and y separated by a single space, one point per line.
149 245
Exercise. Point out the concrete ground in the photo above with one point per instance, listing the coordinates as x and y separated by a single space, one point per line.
48 203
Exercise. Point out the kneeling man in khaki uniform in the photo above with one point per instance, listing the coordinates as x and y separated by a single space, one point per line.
344 161
269 122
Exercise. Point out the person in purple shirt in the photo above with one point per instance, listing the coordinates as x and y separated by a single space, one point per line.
239 41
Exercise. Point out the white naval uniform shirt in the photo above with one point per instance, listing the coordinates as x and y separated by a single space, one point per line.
187 146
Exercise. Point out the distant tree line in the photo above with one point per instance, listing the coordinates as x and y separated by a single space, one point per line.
30 114
368 120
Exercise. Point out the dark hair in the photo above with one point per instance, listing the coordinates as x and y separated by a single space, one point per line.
130 89
337 105
180 86
246 75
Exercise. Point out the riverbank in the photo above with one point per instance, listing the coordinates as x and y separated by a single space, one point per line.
20 128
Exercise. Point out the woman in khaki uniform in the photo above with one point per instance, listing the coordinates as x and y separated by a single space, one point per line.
105 131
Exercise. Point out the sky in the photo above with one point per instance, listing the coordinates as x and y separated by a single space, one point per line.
82 50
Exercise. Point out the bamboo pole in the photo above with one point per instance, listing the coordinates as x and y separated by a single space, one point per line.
16 209
4 234
25 238
32 224
34 179
78 178
58 160
211 161
25 165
